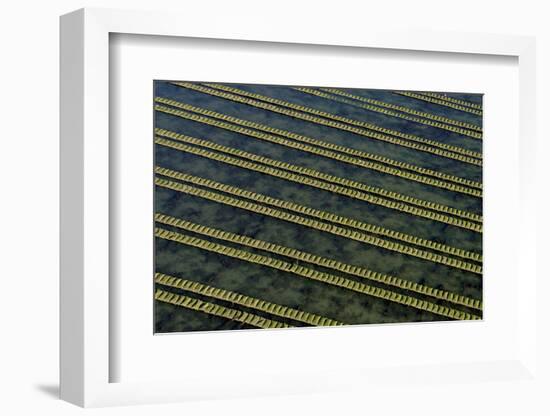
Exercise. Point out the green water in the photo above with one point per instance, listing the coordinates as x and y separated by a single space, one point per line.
288 289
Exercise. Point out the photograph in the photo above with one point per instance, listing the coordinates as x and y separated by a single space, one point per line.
302 206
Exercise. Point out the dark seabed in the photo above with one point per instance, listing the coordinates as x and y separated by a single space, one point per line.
286 288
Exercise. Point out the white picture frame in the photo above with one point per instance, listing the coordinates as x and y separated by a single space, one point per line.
85 214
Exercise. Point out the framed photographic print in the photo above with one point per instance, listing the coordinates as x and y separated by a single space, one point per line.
285 212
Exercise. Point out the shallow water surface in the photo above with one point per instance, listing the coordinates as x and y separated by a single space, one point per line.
374 198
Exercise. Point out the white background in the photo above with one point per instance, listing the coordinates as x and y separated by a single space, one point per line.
29 167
